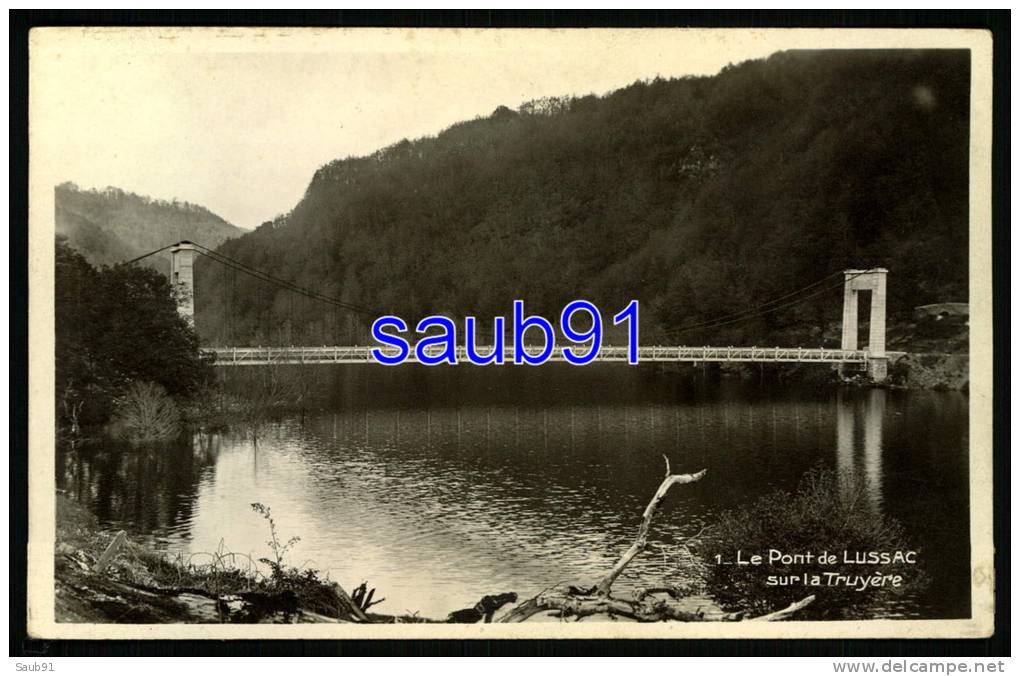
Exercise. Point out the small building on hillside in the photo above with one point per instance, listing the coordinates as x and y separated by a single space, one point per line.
939 311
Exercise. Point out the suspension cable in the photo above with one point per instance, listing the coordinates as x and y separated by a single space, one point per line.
753 312
151 253
290 286
778 299
770 306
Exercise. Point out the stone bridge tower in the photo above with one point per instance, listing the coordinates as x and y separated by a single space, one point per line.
873 280
182 277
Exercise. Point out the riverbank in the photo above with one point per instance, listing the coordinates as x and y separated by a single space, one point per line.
930 371
924 354
103 576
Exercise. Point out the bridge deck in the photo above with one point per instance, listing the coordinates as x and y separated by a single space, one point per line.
239 356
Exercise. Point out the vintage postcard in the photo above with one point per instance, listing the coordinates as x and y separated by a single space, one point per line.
457 333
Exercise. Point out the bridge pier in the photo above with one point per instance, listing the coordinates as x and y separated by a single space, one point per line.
878 369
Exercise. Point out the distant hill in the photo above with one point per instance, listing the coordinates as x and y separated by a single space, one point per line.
701 197
111 226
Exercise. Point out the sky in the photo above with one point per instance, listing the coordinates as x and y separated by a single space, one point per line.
238 121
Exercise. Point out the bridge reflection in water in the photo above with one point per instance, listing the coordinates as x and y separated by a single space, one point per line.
859 422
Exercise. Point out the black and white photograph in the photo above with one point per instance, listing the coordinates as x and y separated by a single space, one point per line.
510 333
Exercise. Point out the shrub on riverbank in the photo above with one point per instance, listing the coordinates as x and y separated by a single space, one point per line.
931 371
146 413
829 512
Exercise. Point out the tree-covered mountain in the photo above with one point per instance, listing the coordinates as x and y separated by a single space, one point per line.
701 197
112 226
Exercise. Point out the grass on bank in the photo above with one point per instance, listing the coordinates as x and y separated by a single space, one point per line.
83 595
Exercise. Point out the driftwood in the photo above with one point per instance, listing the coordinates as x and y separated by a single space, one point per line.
655 604
362 600
785 612
86 595
483 610
641 541
202 605
111 551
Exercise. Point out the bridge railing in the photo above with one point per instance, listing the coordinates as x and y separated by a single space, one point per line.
346 354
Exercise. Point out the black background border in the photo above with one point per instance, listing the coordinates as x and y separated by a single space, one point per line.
996 21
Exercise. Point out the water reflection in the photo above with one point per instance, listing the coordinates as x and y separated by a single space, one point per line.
518 481
146 489
859 421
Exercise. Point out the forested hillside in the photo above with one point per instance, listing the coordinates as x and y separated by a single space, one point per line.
701 197
111 226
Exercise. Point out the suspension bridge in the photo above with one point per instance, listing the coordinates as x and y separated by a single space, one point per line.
871 358
234 356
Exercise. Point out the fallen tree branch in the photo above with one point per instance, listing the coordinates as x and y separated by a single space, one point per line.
641 541
785 612
646 607
483 610
654 604
111 551
362 600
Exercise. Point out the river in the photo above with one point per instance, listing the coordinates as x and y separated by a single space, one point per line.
515 479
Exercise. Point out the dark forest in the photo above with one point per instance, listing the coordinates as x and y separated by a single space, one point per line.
701 197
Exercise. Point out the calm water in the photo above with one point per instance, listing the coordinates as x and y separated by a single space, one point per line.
515 479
